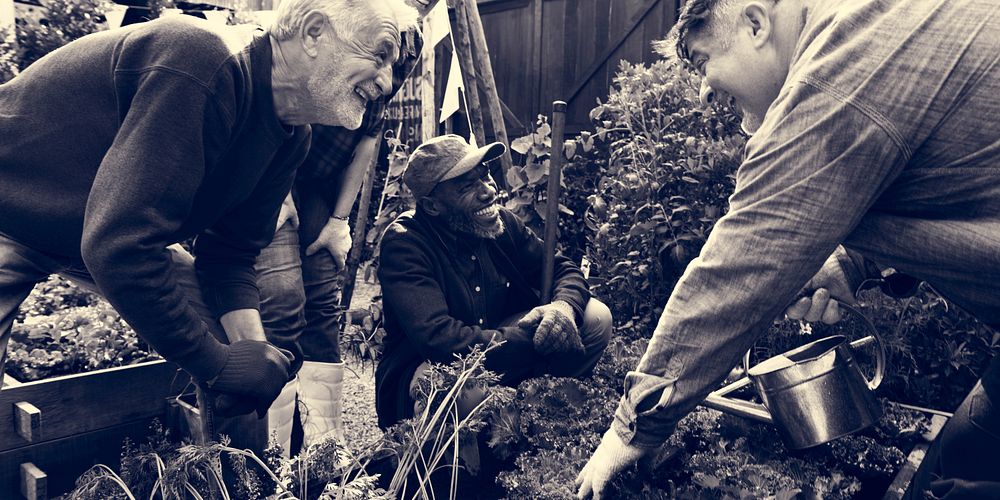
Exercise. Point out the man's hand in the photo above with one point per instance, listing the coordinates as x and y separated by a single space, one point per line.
830 285
335 237
288 213
254 371
611 457
555 330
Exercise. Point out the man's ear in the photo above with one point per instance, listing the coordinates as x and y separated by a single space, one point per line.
430 205
756 17
313 27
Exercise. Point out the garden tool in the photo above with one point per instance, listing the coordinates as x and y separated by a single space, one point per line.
281 414
320 390
813 394
552 200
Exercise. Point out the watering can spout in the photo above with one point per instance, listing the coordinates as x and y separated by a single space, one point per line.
739 408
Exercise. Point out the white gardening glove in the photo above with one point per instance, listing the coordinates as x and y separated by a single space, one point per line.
335 237
288 213
611 457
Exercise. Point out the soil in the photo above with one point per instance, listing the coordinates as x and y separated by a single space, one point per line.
360 420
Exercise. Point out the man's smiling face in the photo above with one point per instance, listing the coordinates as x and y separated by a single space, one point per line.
353 71
734 53
470 203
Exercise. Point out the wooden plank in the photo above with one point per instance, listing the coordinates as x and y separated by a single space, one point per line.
460 29
34 482
79 403
64 460
635 22
570 39
496 6
28 421
535 66
553 57
484 68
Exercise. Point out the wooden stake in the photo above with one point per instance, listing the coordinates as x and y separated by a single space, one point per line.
464 47
360 226
552 200
484 68
428 101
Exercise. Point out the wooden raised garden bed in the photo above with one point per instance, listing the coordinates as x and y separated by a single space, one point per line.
58 428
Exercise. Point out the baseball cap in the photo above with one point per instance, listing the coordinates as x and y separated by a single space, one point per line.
442 158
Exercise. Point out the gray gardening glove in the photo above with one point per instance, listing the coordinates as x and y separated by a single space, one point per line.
555 330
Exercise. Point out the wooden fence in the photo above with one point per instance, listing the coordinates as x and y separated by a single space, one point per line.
546 50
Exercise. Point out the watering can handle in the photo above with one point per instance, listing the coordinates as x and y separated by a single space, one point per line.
876 380
880 355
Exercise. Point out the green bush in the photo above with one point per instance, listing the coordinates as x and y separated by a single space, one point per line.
649 183
669 173
63 22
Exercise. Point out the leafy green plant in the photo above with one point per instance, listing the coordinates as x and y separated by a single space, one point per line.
72 340
431 440
669 172
362 337
8 55
649 182
63 22
394 197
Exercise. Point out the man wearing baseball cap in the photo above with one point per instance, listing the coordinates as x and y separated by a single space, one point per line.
461 270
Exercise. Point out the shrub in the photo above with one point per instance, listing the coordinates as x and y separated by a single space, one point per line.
63 22
649 183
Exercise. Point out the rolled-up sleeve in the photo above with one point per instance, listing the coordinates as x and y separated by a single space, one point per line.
812 171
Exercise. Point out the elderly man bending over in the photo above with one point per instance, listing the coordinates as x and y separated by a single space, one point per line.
123 143
460 270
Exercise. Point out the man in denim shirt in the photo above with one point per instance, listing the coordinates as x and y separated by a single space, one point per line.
873 127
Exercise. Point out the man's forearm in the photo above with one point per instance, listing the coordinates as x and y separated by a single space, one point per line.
354 176
243 324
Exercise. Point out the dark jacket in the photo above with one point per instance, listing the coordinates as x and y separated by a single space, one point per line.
126 141
444 293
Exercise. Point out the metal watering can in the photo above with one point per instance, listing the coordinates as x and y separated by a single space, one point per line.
814 393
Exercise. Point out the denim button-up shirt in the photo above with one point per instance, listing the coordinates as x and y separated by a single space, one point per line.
884 137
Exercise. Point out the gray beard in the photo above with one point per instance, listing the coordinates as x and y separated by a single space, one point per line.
462 224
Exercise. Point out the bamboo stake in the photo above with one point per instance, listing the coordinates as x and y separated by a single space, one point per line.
484 68
464 47
552 200
428 107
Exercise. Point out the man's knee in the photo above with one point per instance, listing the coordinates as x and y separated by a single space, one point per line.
596 325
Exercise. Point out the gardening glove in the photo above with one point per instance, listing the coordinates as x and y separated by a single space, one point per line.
288 213
555 330
335 237
611 457
254 370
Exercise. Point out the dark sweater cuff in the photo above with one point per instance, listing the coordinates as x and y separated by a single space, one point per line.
239 363
205 362
236 297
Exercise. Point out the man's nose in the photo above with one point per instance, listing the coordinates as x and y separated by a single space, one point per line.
706 95
384 80
488 191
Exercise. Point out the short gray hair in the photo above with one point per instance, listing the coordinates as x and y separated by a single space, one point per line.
348 16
